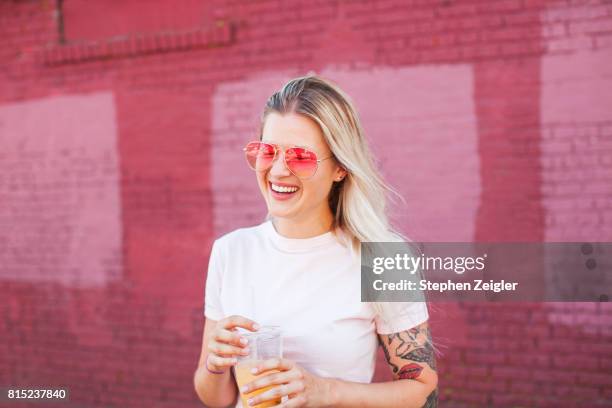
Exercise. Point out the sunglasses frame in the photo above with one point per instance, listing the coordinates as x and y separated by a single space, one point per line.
284 150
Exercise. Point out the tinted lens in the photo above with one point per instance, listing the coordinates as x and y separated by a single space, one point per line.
301 162
259 155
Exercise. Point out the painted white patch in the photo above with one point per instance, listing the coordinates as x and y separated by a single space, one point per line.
576 146
576 158
60 212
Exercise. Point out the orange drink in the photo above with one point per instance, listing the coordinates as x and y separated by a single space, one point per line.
264 344
243 374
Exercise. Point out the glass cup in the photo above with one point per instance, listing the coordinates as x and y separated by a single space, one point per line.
263 344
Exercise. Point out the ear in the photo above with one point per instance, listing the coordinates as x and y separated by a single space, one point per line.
339 174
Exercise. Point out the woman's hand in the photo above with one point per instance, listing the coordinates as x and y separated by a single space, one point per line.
225 343
302 388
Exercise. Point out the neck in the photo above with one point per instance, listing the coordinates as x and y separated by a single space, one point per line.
304 227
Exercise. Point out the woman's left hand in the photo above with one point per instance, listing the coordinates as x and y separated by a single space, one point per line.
303 389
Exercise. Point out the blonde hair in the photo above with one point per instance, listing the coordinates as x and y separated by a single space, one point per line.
359 201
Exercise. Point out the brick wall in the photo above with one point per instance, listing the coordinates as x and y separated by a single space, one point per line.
110 196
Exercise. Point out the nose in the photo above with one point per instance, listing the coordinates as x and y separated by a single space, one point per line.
279 168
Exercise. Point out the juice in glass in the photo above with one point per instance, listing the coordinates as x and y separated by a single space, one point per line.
264 344
242 371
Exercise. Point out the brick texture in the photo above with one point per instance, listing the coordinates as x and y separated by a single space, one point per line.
120 128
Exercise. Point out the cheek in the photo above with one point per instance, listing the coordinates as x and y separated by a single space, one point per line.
317 190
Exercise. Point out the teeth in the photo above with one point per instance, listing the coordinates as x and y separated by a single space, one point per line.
280 189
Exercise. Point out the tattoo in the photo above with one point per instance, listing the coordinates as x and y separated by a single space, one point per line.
422 355
414 345
412 349
432 400
410 371
388 357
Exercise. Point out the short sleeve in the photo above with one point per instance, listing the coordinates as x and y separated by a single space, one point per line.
212 295
400 316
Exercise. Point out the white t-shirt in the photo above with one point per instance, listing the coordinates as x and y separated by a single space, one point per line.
311 289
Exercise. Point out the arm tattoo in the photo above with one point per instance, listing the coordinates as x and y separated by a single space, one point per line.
410 371
414 346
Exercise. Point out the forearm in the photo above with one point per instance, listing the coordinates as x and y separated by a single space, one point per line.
215 390
400 393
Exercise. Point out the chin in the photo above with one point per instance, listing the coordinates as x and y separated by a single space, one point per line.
281 212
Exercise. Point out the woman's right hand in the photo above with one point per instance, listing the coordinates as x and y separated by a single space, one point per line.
226 343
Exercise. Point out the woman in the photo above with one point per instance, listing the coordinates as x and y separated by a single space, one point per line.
300 269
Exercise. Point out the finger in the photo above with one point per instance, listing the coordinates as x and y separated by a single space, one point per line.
271 379
229 337
292 402
234 321
221 361
225 350
273 364
278 392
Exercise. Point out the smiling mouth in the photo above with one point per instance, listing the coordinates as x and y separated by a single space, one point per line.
283 190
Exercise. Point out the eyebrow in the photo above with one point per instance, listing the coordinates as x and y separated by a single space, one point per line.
284 146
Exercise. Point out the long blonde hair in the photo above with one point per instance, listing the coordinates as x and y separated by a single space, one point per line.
359 201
